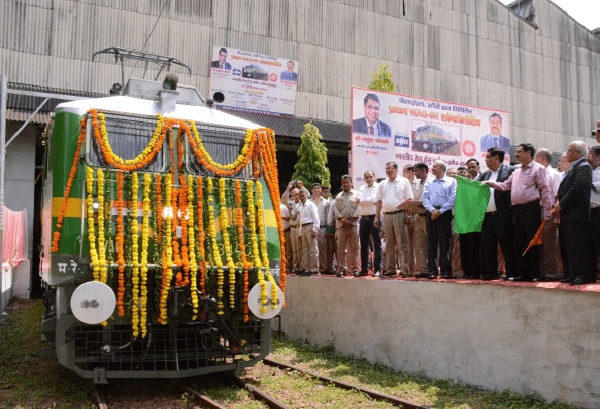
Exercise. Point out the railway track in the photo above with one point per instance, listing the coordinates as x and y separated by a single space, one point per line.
268 400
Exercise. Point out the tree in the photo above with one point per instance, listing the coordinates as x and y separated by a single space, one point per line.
312 158
382 80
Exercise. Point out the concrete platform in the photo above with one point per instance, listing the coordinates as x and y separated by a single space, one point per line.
526 337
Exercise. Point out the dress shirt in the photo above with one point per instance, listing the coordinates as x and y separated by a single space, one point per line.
492 204
393 194
553 179
595 198
526 184
346 206
309 214
322 208
417 189
440 192
285 214
368 199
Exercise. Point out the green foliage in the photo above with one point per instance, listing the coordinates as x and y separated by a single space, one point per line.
312 158
382 80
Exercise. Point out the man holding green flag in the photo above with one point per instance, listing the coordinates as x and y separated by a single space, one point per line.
472 199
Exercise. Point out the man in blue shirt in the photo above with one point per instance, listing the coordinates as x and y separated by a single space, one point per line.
289 75
439 195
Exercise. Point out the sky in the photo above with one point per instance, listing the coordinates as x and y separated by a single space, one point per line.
586 12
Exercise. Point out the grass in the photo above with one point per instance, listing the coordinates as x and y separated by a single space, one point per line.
32 378
29 375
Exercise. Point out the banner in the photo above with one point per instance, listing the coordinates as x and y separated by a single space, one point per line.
389 127
253 82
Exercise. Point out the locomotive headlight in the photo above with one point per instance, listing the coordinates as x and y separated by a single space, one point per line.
96 206
93 302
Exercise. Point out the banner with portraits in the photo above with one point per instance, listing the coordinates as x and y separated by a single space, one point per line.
397 128
253 82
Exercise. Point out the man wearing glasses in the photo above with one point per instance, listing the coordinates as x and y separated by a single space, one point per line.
370 124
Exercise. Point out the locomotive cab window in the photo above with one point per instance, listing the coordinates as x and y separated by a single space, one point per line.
127 136
224 145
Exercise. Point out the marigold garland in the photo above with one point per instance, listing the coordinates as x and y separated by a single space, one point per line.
215 247
263 244
167 261
192 241
202 261
135 279
223 216
144 258
267 146
141 160
120 242
255 251
242 160
89 176
72 172
240 228
101 237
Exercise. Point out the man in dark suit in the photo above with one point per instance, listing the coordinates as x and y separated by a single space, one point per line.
370 124
573 208
495 139
222 62
497 224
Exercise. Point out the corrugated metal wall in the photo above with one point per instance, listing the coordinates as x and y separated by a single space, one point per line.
474 52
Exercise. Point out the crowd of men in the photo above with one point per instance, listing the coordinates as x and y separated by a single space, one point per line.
404 224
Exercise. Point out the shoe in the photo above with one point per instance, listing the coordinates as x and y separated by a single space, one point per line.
361 273
581 281
447 276
341 273
422 275
311 273
462 277
432 276
487 278
390 274
377 274
519 279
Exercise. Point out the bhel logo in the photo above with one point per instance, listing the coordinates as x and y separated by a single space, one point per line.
401 140
273 77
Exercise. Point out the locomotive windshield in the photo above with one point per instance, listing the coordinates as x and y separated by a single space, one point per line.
127 136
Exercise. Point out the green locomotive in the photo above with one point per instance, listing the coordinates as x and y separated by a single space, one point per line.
161 236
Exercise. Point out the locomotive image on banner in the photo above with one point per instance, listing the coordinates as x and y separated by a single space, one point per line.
397 128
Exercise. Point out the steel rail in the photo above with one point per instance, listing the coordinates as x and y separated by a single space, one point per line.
345 385
202 399
100 398
261 395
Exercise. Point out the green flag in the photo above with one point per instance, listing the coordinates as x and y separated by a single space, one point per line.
472 200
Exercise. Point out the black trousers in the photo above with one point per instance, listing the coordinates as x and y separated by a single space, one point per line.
577 247
367 230
439 234
497 229
526 221
595 240
470 248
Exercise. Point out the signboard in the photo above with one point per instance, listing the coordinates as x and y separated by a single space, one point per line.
253 82
389 127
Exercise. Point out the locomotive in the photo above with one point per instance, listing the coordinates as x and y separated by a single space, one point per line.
161 236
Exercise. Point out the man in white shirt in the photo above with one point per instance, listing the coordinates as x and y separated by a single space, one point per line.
309 225
291 200
322 208
550 250
391 195
368 230
329 233
594 159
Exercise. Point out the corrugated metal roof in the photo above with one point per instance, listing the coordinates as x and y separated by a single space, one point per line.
21 116
294 127
27 103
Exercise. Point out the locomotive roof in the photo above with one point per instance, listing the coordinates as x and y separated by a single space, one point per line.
136 106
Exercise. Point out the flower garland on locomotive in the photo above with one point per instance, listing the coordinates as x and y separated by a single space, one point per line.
179 233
